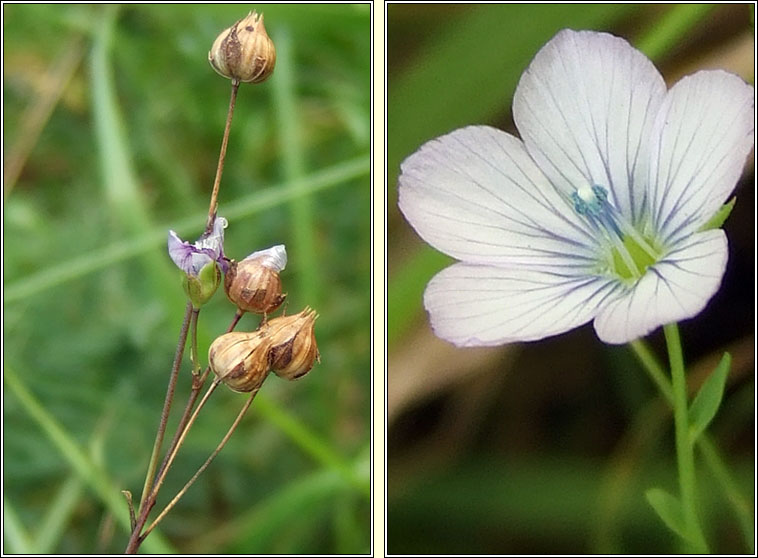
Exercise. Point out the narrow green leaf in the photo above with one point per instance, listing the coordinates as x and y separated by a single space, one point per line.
708 399
728 485
669 509
676 23
15 536
719 217
310 442
405 291
284 84
246 206
260 526
58 515
92 474
121 187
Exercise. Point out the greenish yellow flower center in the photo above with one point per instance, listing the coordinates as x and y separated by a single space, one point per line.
640 258
630 253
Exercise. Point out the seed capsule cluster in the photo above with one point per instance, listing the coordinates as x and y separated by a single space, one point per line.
285 345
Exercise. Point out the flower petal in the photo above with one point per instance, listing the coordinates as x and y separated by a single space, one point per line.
178 250
702 135
476 195
472 305
186 256
584 108
214 240
274 258
677 287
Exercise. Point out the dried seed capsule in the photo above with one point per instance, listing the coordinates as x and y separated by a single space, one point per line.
244 51
240 359
253 284
292 344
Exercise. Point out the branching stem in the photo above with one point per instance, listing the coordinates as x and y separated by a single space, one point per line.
143 508
204 466
150 489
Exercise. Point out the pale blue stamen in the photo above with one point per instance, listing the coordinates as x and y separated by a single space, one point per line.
592 203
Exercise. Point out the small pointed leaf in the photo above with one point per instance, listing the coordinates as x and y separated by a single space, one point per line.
708 399
719 217
668 509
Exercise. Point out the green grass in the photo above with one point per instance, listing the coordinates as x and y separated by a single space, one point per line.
93 304
548 447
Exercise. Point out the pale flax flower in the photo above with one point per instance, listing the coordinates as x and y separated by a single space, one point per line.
599 212
191 258
201 262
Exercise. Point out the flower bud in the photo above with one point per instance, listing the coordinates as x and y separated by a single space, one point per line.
253 284
200 288
292 344
240 360
244 51
200 262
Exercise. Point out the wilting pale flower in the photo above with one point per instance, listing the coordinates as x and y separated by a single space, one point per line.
199 262
600 212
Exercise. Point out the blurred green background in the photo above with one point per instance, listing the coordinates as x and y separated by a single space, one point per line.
112 127
548 447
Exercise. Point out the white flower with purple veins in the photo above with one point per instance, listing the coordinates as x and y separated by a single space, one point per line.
191 258
600 212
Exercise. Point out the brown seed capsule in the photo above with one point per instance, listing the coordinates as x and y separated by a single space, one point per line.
253 284
240 359
244 51
292 344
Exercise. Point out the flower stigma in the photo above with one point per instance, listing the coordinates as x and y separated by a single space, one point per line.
630 254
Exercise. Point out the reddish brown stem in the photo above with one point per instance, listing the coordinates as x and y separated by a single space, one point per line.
221 158
197 385
203 467
149 501
144 509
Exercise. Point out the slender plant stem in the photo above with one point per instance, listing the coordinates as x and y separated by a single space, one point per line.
132 516
653 367
684 451
197 385
150 491
167 403
172 455
133 543
136 539
237 316
221 158
713 459
193 343
731 489
204 466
